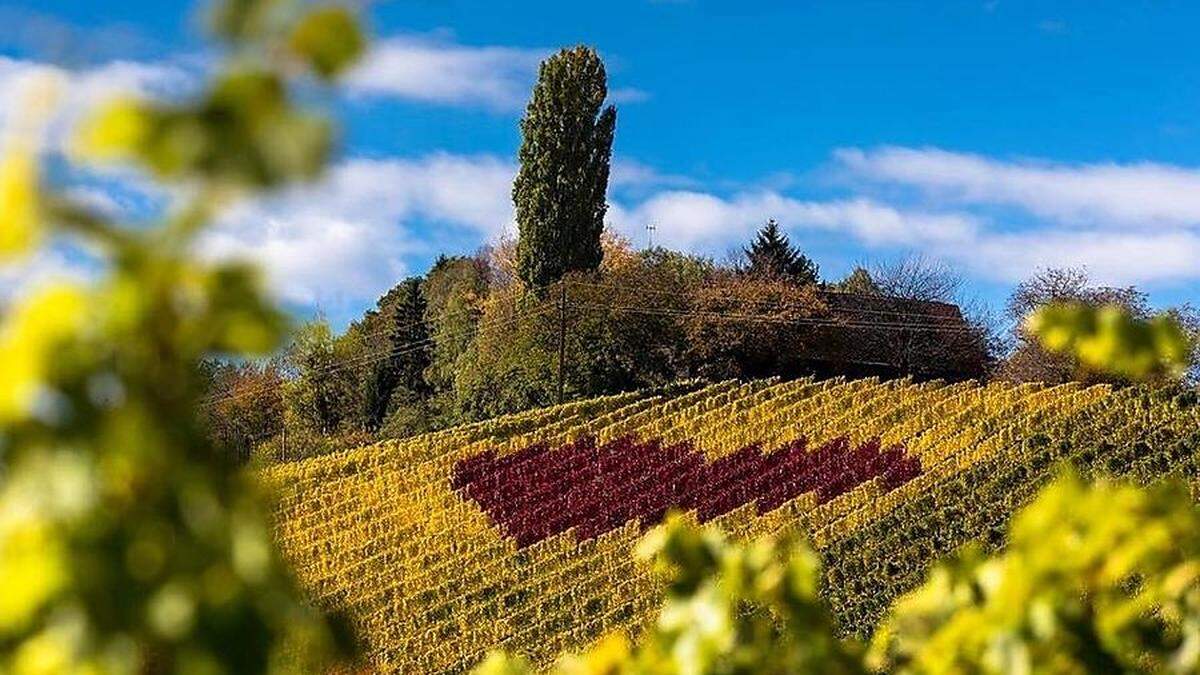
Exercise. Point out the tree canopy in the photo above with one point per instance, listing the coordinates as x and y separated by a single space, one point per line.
559 192
859 281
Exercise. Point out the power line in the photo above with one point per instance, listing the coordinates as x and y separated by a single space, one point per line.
545 305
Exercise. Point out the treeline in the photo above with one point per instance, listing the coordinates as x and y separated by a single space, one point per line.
468 340
566 311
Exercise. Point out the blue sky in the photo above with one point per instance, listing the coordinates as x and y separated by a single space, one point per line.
998 136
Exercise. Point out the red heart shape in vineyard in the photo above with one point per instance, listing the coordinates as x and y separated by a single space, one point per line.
539 491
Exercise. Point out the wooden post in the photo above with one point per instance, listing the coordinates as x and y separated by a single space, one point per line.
562 336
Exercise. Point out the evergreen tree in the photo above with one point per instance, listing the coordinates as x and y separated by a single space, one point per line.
559 192
398 336
410 337
772 255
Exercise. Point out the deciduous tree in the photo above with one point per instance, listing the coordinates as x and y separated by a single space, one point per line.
1030 361
559 192
858 281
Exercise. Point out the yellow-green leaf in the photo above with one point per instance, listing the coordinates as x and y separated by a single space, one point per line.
328 39
115 132
20 227
27 342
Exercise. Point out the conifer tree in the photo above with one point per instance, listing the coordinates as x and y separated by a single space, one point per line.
559 192
772 255
397 330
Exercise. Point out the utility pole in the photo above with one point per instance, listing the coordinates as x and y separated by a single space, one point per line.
562 335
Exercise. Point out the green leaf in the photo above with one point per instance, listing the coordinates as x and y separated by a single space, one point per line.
328 39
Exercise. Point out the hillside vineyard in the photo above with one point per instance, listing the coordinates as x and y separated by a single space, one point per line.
517 533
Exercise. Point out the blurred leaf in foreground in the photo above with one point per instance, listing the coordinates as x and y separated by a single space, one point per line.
126 544
1099 579
328 39
19 227
1109 339
729 608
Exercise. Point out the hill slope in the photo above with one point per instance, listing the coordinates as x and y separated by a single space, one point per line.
518 532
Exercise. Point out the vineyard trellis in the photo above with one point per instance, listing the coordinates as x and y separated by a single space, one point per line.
433 577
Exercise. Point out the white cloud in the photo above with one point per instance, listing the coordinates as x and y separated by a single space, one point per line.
1110 258
97 199
50 264
122 193
24 86
337 243
345 239
1135 223
129 77
316 260
431 69
630 173
704 220
340 242
1141 195
628 95
434 71
707 222
81 90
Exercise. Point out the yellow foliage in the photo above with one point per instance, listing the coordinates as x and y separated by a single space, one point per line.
126 546
28 339
328 38
113 132
1093 579
20 229
1109 339
32 565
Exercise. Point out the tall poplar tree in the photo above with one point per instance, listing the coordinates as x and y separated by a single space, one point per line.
559 192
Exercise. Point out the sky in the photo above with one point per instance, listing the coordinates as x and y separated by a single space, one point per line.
1000 137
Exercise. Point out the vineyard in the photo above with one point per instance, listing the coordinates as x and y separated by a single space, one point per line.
516 533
